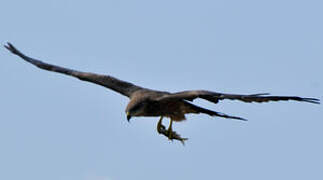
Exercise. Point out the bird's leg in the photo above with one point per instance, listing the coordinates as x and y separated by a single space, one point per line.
170 130
160 127
173 135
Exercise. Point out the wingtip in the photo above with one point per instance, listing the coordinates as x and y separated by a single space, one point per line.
11 48
242 119
7 45
312 100
238 118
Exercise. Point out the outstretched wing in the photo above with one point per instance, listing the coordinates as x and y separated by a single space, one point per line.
122 87
216 97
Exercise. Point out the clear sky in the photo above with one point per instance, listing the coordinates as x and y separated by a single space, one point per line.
56 127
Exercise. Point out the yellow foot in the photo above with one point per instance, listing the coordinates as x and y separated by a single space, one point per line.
170 130
173 135
170 134
160 127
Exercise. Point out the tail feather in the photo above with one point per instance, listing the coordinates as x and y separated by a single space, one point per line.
197 109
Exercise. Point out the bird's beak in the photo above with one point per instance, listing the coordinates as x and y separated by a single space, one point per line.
128 116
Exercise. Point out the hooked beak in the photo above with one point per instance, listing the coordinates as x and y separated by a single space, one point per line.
128 116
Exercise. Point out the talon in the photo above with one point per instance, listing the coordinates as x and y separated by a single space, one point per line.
173 135
169 133
160 127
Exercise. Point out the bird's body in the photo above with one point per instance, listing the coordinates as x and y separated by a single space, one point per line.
175 110
152 103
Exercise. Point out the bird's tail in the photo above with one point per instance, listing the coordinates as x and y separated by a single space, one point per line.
197 109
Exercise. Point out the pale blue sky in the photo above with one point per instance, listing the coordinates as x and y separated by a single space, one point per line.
55 127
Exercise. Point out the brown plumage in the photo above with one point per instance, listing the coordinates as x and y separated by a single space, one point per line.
147 102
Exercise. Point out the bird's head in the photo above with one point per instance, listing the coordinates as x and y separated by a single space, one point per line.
135 108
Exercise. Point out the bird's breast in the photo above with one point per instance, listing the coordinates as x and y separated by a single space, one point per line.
174 110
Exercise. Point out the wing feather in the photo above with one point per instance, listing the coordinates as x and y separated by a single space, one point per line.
122 87
216 97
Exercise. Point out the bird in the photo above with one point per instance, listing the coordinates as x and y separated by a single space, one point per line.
144 102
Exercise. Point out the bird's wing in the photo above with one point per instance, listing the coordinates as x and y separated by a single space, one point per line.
216 97
110 82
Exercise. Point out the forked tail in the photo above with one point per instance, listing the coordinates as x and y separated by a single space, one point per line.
197 109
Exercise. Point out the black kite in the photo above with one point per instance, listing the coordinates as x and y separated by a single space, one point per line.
147 102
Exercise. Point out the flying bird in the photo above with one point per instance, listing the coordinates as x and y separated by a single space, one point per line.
152 103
